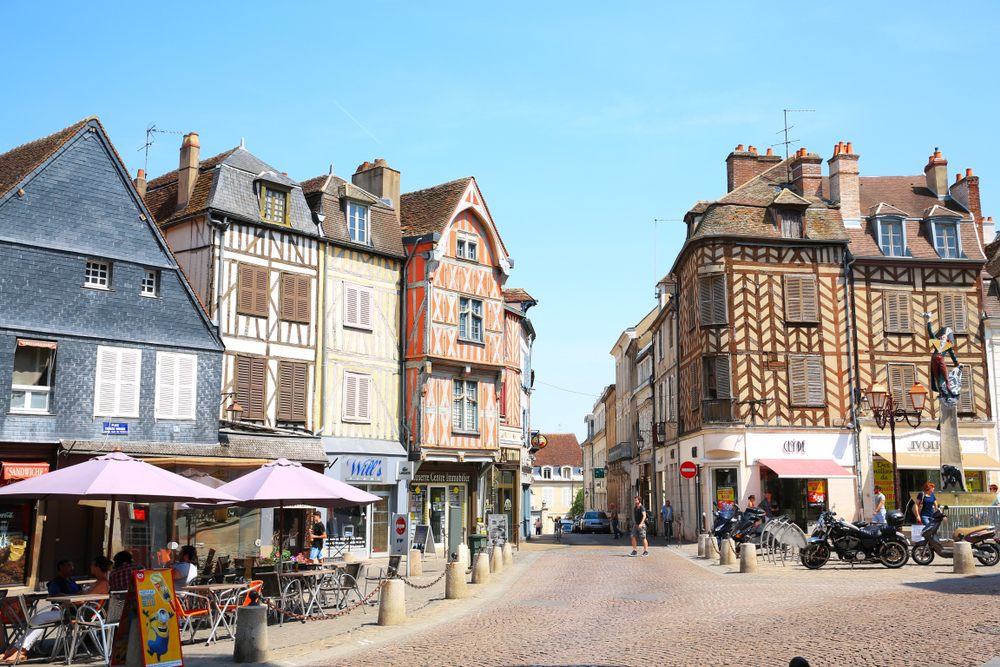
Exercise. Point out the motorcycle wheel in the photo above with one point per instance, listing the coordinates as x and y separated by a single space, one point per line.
894 554
988 554
922 554
815 556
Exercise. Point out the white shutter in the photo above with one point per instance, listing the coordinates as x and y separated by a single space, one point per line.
365 308
128 382
351 298
106 385
187 385
166 385
350 396
364 397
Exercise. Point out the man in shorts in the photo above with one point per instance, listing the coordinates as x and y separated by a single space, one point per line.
639 527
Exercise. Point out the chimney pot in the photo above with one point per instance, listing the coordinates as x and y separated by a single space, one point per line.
739 147
770 151
968 172
936 173
141 174
140 183
850 148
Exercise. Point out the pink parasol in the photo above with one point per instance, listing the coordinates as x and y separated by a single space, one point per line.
115 477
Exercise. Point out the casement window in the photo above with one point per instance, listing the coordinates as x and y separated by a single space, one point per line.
33 377
150 285
274 205
253 290
467 246
548 494
805 380
176 385
712 299
800 298
953 312
470 319
897 312
357 397
567 496
293 380
890 237
567 472
901 379
791 224
546 472
715 377
358 306
97 274
249 384
465 406
965 402
358 225
946 240
295 300
116 391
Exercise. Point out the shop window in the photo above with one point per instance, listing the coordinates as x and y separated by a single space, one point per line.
32 380
15 530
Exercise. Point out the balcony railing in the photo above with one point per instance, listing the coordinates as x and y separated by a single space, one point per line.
719 410
619 452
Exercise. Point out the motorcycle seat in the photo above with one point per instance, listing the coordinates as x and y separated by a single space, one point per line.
963 532
873 530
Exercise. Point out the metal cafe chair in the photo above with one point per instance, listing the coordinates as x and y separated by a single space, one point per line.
97 622
391 570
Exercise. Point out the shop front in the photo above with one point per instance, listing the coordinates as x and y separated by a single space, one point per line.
445 497
19 521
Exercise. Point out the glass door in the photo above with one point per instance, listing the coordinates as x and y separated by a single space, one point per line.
380 523
439 512
724 487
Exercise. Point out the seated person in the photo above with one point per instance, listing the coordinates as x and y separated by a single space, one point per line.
63 583
185 570
99 569
120 578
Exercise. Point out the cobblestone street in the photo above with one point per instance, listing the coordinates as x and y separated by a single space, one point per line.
588 603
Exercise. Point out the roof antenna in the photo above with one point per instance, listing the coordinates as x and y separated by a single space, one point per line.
151 132
788 142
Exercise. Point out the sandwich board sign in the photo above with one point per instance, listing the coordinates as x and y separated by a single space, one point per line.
150 602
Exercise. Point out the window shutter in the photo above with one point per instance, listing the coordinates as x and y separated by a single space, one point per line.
814 380
284 391
262 290
300 381
364 397
250 373
901 378
302 299
896 311
365 308
253 290
107 381
187 385
705 299
800 298
719 300
294 297
351 305
350 396
292 382
128 383
953 312
722 385
797 389
166 385
503 399
965 403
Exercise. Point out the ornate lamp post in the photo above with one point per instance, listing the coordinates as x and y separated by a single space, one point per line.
885 412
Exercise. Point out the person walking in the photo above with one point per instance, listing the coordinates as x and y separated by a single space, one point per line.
538 526
667 515
878 516
639 527
615 524
926 504
318 535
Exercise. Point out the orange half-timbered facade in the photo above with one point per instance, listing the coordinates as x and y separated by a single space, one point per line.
455 357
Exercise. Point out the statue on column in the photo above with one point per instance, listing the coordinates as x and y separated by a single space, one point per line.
948 385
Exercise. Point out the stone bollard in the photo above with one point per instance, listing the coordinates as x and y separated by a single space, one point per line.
748 559
416 563
964 562
496 560
454 582
481 568
711 547
392 602
727 556
702 547
463 555
251 634
508 554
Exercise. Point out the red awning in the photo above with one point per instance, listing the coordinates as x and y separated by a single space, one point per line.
807 468
14 471
47 344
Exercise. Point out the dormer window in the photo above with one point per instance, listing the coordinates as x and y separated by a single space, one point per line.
273 205
891 238
467 246
946 239
567 472
358 223
546 472
791 224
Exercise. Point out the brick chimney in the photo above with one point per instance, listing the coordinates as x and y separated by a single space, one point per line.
379 179
187 173
806 171
744 164
844 184
936 173
140 183
965 190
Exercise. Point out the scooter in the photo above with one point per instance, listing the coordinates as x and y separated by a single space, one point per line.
750 526
983 539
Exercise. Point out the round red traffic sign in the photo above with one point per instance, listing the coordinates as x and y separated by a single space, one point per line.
400 525
688 469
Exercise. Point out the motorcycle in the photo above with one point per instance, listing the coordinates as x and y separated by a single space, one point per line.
749 527
983 539
726 521
865 543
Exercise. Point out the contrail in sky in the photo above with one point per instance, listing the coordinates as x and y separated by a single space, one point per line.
357 122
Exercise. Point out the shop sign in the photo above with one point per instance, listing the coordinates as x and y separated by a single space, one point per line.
816 491
510 455
506 505
115 428
924 446
444 477
365 469
794 446
882 470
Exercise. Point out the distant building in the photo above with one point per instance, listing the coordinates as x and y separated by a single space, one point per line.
557 477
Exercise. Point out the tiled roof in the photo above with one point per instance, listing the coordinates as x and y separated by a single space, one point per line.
993 257
907 193
563 449
430 210
18 162
324 194
991 298
517 295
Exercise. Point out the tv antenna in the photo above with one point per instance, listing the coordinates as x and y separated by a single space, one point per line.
151 132
788 142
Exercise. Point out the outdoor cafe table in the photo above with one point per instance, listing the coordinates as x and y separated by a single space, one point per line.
311 581
66 634
214 594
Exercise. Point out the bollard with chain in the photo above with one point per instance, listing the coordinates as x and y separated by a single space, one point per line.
454 584
481 568
392 606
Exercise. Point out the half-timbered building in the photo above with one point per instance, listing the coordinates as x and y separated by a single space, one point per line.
454 345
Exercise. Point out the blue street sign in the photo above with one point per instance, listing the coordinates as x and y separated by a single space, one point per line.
115 428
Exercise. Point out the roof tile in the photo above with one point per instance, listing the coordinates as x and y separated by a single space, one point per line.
430 210
563 449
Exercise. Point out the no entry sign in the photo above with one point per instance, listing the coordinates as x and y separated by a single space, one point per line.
400 525
399 539
688 469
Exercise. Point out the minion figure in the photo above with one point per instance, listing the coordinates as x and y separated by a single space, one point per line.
158 625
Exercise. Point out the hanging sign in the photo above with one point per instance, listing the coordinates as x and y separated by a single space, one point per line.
153 608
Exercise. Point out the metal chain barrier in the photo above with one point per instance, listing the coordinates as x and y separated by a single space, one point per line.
272 605
418 586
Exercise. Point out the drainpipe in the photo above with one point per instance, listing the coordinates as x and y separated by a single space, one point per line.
852 347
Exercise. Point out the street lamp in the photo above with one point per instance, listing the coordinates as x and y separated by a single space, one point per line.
885 412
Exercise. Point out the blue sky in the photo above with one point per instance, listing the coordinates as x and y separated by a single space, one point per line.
583 122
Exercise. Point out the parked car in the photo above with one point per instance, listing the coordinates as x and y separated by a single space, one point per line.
567 526
595 522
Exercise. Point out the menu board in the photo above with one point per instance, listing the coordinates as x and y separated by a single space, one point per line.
421 535
14 521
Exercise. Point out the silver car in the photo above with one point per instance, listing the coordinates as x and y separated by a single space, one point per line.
595 522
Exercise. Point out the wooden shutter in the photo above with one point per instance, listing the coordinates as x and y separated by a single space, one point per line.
117 384
352 307
106 389
294 297
722 383
166 385
365 308
953 312
712 295
901 378
896 312
364 397
357 397
187 385
965 402
805 380
250 374
252 291
292 380
800 298
503 399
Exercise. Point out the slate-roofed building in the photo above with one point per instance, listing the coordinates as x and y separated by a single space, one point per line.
103 344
